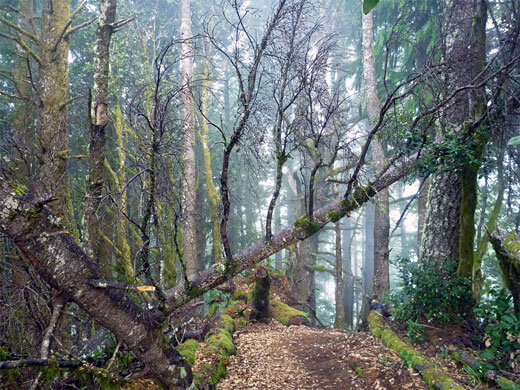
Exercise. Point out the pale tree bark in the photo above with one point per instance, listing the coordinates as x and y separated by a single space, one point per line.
381 282
97 129
52 116
348 285
189 236
302 257
339 321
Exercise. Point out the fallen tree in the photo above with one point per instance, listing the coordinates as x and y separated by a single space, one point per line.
59 260
434 377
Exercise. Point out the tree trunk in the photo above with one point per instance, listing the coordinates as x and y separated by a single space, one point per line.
23 126
52 118
381 282
56 257
189 239
348 285
97 131
449 227
260 294
339 321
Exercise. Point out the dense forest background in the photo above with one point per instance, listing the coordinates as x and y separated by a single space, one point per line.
168 146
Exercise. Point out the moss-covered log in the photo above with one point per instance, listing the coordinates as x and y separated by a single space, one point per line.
490 376
434 377
219 347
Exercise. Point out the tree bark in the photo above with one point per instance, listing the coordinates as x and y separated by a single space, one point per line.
52 251
23 126
97 131
449 229
339 321
348 285
381 282
52 117
189 244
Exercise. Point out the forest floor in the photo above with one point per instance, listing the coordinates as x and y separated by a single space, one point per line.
273 356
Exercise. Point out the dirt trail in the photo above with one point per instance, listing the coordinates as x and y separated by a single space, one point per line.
272 356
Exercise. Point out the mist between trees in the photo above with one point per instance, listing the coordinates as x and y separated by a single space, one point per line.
178 144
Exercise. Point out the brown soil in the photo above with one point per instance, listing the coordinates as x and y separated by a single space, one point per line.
272 356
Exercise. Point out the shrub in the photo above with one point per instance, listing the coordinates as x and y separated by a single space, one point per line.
430 293
502 330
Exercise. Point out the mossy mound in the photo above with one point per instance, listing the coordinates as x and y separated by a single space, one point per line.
283 313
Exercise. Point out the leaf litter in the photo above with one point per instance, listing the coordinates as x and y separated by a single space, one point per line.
272 356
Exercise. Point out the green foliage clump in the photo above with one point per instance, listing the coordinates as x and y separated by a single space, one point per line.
502 329
432 293
415 332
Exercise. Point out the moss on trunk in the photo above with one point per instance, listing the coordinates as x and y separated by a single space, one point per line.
434 377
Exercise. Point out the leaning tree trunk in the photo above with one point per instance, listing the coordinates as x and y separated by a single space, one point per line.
54 254
381 282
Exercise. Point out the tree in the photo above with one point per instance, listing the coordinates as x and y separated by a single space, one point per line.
97 129
190 252
381 282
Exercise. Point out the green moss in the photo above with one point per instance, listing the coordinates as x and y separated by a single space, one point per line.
243 295
228 323
283 313
18 188
436 379
50 372
335 215
240 322
188 350
506 384
4 355
303 223
360 372
320 268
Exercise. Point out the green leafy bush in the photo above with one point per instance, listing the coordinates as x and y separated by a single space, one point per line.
430 293
415 332
502 330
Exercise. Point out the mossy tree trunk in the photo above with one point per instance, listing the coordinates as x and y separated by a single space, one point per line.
97 131
449 227
54 254
52 116
260 294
